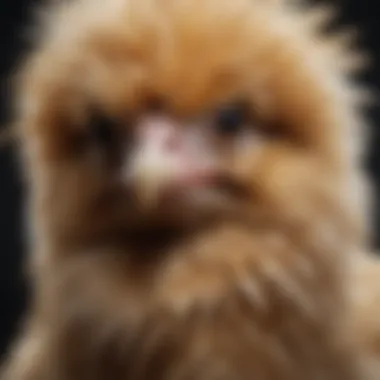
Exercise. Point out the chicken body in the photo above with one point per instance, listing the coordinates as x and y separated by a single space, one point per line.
194 193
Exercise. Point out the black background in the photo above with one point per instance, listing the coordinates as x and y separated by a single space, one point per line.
14 16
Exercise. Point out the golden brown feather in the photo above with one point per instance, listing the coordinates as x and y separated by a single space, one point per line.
239 277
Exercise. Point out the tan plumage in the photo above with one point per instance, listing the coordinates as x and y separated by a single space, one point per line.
246 278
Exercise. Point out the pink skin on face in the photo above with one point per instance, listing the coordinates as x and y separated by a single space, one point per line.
181 154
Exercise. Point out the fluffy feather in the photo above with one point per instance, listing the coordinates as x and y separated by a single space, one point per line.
255 286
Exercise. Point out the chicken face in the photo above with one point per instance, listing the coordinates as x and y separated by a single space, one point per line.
174 111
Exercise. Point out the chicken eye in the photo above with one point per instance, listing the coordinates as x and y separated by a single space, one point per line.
109 137
102 130
230 119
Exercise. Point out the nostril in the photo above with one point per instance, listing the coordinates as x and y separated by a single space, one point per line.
172 143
